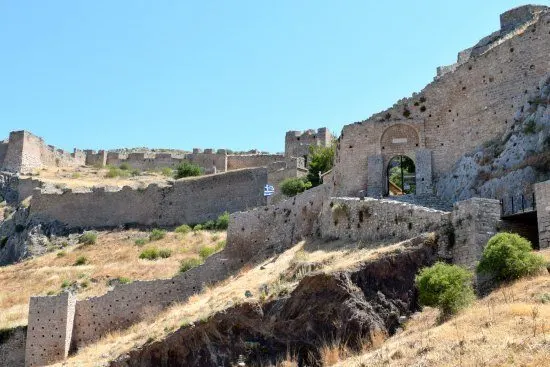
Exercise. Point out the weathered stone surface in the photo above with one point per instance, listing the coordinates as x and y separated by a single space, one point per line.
12 346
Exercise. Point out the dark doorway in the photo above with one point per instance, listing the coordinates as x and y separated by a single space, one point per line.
525 224
401 176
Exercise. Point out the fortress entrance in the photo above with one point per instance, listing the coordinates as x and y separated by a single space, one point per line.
401 176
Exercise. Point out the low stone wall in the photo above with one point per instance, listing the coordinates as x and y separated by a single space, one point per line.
252 160
191 200
372 220
12 347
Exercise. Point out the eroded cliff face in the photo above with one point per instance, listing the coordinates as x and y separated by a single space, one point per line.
348 308
509 165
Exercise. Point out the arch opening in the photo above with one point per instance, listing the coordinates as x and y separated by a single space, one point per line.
401 176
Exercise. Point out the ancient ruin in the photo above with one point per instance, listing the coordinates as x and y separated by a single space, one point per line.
479 140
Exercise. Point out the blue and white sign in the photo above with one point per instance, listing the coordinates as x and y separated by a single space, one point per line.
269 190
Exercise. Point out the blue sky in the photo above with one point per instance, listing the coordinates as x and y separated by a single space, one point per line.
221 74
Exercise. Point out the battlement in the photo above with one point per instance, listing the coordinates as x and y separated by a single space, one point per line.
297 143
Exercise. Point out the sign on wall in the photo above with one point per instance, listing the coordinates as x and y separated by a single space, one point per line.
269 190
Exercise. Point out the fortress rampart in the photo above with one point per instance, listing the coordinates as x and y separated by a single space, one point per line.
191 200
451 116
297 143
25 152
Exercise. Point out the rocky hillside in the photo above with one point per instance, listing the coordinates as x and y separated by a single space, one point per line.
508 165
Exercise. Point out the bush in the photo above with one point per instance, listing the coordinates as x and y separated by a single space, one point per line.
184 228
206 251
198 227
209 225
154 253
223 221
508 256
294 186
157 234
61 253
190 264
321 159
151 253
141 241
220 245
447 287
187 169
165 253
167 171
81 260
88 238
125 167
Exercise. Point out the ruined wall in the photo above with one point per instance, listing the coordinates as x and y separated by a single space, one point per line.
189 200
297 142
3 150
12 346
542 198
474 221
208 160
94 158
50 329
372 220
457 112
26 152
252 160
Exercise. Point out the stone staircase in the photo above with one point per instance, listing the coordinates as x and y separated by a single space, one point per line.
428 201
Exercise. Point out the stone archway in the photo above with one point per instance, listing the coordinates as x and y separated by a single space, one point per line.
401 176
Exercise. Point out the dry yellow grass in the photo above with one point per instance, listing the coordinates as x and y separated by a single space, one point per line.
90 176
221 296
114 255
509 327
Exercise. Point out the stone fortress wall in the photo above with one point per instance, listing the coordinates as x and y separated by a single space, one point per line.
297 143
25 152
188 200
451 116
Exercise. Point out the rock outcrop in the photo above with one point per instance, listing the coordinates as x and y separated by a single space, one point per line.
354 309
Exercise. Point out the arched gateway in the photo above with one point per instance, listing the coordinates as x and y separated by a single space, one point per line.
400 140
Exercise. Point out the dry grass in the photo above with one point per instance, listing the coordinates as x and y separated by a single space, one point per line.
90 176
221 296
114 255
510 327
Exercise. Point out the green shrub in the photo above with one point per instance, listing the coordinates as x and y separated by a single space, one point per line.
223 221
509 256
151 253
294 186
198 227
135 172
190 264
187 169
209 225
157 234
184 228
124 280
88 238
81 260
154 253
167 171
125 167
113 172
141 241
61 253
206 251
447 287
220 245
165 253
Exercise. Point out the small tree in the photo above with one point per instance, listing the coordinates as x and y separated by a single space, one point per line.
294 186
187 169
509 256
321 159
447 287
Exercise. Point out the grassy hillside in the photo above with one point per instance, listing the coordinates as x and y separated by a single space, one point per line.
113 257
509 327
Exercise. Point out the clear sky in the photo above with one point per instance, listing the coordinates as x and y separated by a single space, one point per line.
221 74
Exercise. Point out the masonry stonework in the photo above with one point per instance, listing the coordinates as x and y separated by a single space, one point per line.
50 330
542 198
188 200
454 114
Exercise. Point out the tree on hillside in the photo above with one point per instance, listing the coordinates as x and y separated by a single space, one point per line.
321 159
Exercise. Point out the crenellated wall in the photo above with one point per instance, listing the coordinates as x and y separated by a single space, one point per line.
189 200
252 160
